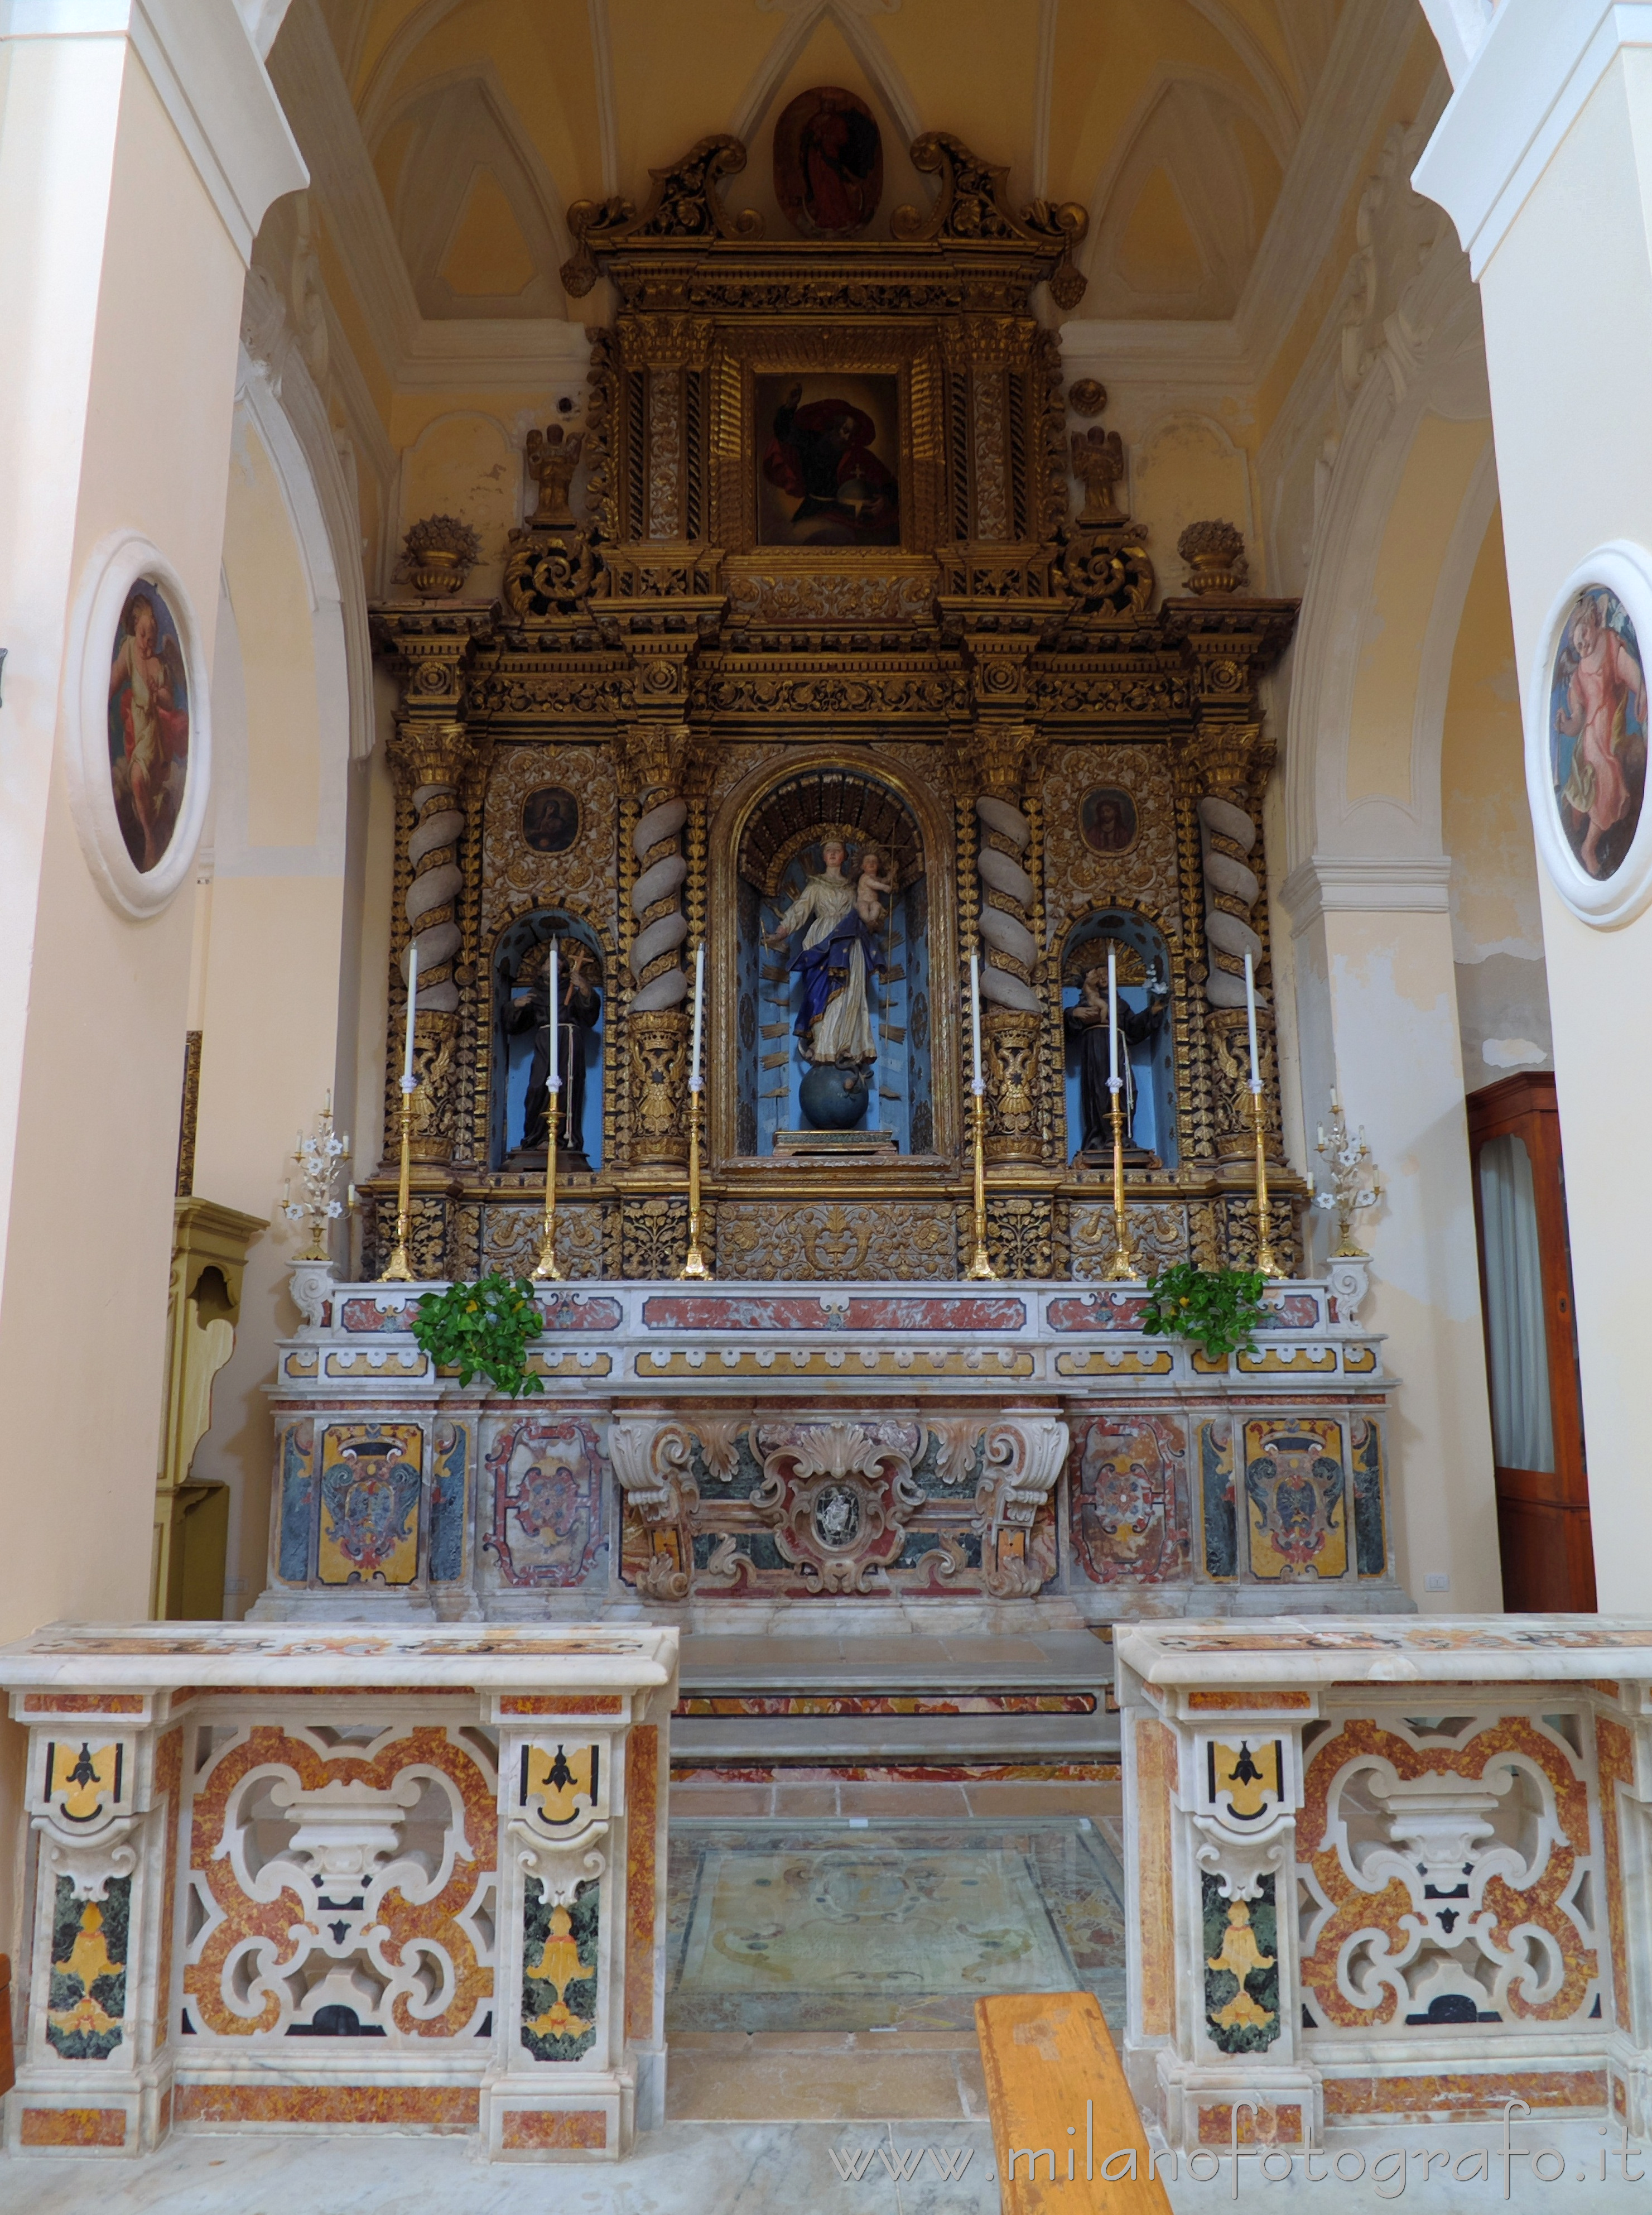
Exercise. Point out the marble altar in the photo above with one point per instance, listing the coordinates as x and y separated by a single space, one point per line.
973 1459
403 1877
1388 1871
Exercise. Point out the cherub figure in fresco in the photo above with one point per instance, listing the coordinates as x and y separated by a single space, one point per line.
147 679
1604 683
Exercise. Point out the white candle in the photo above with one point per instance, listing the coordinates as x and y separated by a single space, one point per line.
412 1002
700 1015
1334 1103
1113 1020
976 1084
1250 1020
554 1082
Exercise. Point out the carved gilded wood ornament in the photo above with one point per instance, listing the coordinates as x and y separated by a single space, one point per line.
926 615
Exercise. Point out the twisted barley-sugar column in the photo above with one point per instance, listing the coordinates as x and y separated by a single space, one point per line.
431 763
1011 1014
1227 840
656 1020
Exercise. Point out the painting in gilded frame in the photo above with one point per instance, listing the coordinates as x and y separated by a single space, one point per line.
1598 731
828 458
828 163
149 723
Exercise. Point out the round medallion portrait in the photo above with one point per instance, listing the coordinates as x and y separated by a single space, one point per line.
829 163
1107 819
550 819
1586 736
1597 731
149 723
139 755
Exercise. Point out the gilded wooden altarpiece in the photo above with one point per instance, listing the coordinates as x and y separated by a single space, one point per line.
989 675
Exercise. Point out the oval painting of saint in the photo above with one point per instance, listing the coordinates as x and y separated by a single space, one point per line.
550 819
149 723
829 163
1108 819
1597 731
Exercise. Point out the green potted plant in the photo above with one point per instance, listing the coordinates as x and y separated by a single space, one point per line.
1219 1309
482 1329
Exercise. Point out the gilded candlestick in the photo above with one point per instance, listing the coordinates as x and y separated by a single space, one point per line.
1266 1259
1124 1265
695 1264
545 1270
399 1271
979 1263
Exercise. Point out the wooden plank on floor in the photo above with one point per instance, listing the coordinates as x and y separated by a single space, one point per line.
1056 2091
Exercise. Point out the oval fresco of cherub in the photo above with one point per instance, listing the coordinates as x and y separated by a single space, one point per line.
1597 731
149 723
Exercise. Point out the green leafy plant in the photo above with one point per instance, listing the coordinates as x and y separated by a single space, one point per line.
1217 1309
482 1329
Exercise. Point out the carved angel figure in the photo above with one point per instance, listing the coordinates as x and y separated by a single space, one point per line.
1099 465
553 458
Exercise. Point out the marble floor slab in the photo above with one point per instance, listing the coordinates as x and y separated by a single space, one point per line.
802 2168
833 1925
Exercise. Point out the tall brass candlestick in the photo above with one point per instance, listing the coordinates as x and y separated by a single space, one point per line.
399 1271
980 1262
1123 1265
545 1269
695 1264
1266 1259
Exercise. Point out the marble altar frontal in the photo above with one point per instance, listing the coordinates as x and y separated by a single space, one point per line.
977 1458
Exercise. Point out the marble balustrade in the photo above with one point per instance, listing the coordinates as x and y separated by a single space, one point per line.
409 1877
1389 1870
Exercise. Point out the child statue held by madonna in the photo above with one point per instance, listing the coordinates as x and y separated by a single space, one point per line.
839 921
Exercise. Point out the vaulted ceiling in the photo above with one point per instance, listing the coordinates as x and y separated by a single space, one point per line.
1173 121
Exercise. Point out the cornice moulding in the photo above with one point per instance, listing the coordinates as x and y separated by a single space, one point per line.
1366 884
1540 63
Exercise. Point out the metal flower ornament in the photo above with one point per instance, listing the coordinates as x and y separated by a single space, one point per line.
1354 1184
320 1158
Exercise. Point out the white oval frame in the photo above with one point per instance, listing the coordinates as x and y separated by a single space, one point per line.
1623 568
114 565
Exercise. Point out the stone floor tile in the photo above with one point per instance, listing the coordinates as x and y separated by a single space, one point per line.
719 1800
895 1802
805 1800
768 2086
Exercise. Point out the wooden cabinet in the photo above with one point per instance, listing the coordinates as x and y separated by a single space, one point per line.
1526 1295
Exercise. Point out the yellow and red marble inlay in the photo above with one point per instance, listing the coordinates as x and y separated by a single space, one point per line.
73 2126
1415 2098
547 2129
435 1921
433 2107
1615 1760
1389 1912
1281 2125
1155 1778
642 1823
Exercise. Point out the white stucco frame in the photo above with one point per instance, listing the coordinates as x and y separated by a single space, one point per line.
114 565
1623 567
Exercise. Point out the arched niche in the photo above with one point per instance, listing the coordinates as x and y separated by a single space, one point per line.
517 955
1142 956
779 846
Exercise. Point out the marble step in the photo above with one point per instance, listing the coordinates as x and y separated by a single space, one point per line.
932 1700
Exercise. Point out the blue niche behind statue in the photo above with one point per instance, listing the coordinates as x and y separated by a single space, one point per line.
521 1043
1147 1043
834 1000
